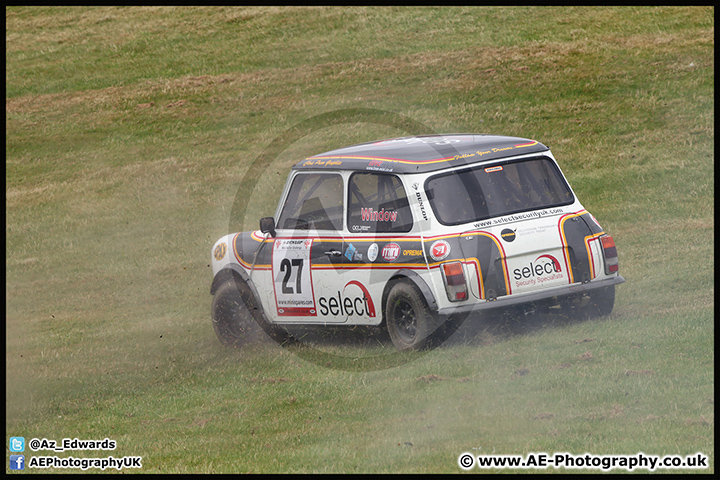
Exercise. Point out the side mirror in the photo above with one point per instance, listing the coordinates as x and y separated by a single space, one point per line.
267 225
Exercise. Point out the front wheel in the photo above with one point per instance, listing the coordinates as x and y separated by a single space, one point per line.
232 320
410 322
237 322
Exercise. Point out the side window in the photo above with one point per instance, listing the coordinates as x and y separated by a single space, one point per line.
315 201
377 204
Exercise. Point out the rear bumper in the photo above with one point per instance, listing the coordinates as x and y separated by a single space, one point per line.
517 299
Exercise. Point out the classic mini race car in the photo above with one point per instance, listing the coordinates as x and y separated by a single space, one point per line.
416 234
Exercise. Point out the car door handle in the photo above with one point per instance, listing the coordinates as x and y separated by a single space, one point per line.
333 253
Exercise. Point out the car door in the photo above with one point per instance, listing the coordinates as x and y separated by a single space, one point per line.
375 245
307 253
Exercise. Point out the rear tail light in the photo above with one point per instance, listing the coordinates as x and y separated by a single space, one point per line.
454 278
610 254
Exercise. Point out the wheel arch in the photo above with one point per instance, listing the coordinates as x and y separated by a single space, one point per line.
239 274
417 280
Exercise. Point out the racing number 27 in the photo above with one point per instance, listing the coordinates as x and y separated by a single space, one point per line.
286 266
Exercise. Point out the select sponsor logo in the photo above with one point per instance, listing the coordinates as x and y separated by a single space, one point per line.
544 268
353 300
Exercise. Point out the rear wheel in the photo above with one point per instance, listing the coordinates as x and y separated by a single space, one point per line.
410 322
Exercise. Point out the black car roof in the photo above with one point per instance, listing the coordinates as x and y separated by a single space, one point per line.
422 153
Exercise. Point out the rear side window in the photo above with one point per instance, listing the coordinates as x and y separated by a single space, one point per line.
495 190
377 204
315 201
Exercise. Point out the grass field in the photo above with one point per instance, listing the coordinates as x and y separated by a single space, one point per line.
129 132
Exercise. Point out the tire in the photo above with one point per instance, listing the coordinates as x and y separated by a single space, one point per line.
237 320
233 323
410 322
602 302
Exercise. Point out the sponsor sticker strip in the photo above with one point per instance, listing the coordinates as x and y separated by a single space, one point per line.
295 280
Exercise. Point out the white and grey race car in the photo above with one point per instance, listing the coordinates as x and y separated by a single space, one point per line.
415 234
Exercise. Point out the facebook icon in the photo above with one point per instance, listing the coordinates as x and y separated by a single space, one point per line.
17 462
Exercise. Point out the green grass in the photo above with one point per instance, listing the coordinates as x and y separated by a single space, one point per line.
130 130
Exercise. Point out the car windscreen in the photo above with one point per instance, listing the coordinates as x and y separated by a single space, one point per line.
487 191
315 201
